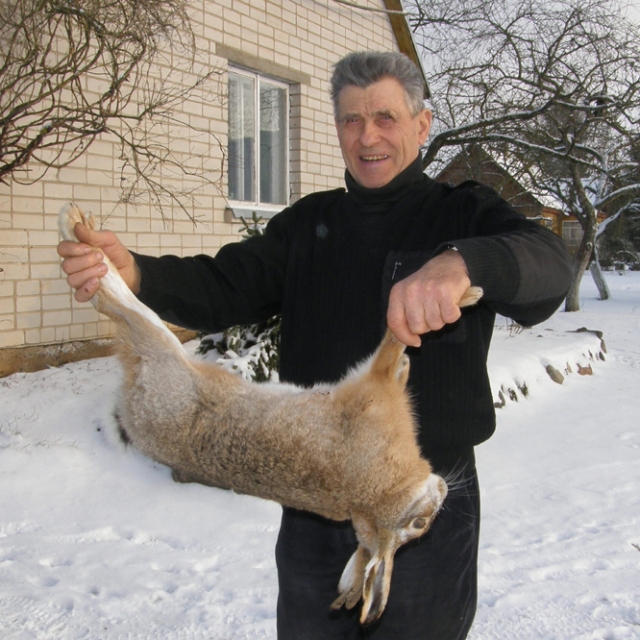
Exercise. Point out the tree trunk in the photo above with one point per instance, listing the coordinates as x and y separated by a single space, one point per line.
598 278
581 260
588 219
580 263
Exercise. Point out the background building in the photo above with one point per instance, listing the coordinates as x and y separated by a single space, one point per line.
272 120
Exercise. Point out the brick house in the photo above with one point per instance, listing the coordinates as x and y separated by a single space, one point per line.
275 50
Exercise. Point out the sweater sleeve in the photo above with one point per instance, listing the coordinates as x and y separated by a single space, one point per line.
523 268
242 284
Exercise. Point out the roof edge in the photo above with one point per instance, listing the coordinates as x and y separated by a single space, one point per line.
404 37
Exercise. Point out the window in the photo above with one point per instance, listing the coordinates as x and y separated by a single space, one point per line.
258 151
572 233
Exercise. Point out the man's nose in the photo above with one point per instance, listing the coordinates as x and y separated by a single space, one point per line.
369 134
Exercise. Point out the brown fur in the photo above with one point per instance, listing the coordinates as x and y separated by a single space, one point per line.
345 451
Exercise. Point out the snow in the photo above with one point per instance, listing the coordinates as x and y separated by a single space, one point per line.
98 542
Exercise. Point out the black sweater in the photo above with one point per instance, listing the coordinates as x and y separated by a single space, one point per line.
328 263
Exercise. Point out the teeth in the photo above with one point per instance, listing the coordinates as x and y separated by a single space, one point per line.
372 158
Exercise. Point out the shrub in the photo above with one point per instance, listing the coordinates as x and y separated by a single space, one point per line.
251 351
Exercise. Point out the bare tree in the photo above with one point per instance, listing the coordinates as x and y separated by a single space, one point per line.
594 174
551 88
75 70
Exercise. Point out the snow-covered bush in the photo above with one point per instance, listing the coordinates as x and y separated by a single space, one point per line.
619 244
251 351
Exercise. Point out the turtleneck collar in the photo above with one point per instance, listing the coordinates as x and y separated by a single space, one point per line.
390 192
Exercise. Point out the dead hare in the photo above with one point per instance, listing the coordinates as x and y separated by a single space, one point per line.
344 451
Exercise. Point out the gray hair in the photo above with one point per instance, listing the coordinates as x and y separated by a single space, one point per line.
364 68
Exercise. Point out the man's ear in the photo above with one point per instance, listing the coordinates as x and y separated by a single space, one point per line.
424 125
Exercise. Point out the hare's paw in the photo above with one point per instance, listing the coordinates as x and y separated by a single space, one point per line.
352 580
69 216
348 599
471 296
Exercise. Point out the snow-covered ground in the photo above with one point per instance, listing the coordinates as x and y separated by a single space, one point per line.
96 542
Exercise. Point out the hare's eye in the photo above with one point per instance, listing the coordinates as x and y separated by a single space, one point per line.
419 523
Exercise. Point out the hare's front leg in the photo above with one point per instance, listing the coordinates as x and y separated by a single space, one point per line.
352 579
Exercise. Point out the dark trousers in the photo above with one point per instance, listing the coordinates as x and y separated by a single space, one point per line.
433 592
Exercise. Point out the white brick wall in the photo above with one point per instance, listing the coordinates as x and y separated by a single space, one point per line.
36 305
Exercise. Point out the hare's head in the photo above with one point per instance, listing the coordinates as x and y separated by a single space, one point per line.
410 523
401 495
368 573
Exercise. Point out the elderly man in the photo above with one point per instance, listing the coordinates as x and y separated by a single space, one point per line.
394 249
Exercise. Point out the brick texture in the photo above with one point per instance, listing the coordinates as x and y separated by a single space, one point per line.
37 306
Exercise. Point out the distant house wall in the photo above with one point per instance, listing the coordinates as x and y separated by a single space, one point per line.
572 233
475 164
293 43
555 219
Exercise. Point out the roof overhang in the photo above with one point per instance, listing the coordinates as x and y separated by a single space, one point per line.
404 37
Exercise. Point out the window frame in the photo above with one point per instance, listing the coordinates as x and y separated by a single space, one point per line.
244 208
572 233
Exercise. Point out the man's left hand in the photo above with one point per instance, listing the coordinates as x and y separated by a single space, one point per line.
429 298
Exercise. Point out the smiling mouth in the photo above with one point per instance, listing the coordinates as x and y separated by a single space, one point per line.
373 158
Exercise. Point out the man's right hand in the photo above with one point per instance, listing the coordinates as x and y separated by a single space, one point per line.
83 261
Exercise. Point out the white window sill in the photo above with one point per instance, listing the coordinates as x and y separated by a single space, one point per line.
234 212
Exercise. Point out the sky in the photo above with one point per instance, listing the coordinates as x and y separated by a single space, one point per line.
634 10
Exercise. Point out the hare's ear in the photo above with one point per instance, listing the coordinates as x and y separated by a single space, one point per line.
377 577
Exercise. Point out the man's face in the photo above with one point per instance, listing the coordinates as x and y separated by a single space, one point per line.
378 136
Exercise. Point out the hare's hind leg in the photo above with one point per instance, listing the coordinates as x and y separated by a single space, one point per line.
159 379
114 298
69 216
471 296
